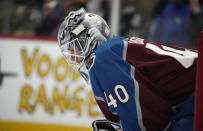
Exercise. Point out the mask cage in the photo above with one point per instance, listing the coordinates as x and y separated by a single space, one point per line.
74 53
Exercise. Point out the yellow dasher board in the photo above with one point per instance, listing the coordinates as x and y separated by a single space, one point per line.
39 89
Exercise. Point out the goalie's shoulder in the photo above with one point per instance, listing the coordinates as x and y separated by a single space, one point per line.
112 43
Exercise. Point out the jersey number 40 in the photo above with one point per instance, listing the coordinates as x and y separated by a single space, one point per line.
111 101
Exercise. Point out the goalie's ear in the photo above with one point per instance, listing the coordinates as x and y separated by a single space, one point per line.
98 125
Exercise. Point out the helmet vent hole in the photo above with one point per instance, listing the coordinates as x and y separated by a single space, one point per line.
88 35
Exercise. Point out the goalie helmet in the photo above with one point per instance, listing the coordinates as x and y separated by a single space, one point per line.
79 34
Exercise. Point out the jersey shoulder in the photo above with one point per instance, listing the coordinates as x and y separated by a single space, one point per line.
106 52
106 62
114 44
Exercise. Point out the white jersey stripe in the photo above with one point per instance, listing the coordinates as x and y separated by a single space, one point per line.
137 101
99 98
125 48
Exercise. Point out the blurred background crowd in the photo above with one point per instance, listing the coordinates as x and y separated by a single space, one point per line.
168 21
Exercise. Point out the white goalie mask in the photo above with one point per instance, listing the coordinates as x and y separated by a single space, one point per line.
79 34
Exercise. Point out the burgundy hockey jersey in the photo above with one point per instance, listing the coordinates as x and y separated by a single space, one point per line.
136 82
